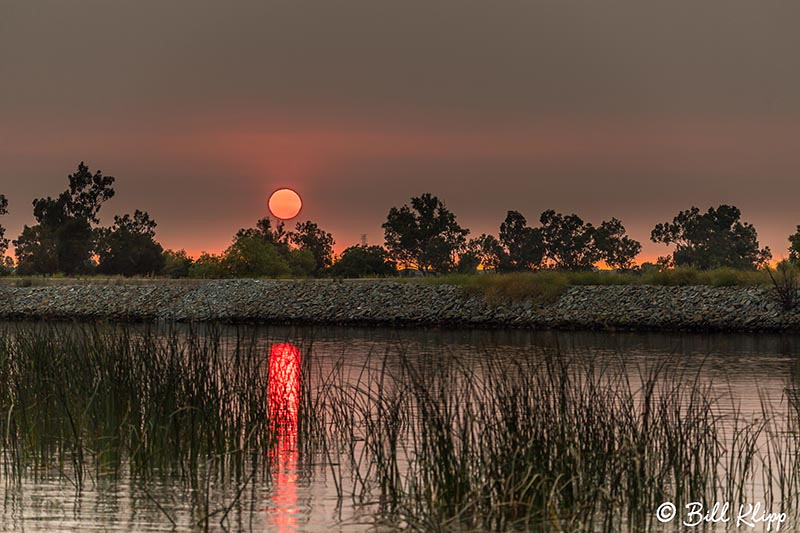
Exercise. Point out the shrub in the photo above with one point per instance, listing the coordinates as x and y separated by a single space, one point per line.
786 283
302 262
6 266
176 264
364 261
252 256
207 266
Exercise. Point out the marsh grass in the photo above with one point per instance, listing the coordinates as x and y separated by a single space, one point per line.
98 401
549 444
541 442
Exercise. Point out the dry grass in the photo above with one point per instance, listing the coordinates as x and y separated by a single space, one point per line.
547 286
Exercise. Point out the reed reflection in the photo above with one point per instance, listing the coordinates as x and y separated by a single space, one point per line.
284 400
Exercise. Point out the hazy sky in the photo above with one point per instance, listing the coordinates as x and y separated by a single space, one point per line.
200 109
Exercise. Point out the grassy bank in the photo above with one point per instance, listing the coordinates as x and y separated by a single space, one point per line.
547 286
512 285
55 281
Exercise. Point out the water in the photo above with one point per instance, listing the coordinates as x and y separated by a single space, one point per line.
296 492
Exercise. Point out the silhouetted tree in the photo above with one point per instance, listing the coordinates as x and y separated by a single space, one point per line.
62 239
524 245
128 248
3 240
6 264
277 237
468 262
487 250
614 246
308 236
176 264
713 239
569 241
424 235
364 261
794 247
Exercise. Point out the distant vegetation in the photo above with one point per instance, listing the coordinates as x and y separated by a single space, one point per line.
422 236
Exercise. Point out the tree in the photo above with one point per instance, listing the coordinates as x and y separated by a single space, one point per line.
128 248
468 262
308 236
569 241
713 239
62 239
794 247
364 261
487 250
207 266
615 248
251 256
6 264
47 249
176 264
525 249
313 252
277 237
3 240
301 263
424 235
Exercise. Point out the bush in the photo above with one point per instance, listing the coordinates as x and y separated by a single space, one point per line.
207 266
364 261
786 282
6 266
252 256
176 264
302 263
468 263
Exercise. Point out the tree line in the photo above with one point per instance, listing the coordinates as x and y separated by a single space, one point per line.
423 235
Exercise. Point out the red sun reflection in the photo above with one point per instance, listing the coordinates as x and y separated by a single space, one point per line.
284 400
284 384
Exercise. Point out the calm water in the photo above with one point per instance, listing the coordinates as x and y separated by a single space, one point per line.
302 493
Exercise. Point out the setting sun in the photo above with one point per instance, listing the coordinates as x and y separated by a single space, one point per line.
285 204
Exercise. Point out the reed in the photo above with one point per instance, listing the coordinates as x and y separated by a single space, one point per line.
116 396
544 442
552 443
